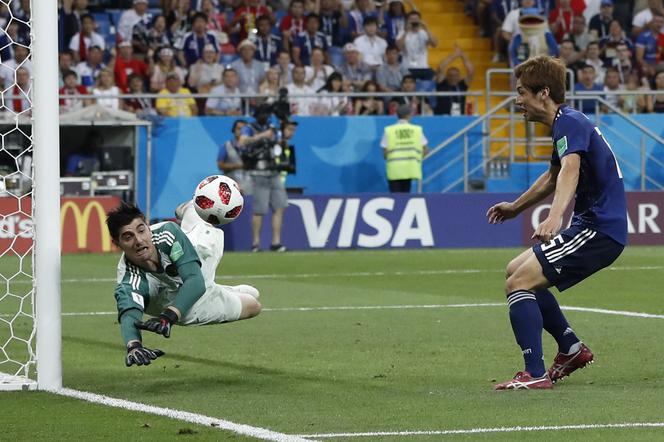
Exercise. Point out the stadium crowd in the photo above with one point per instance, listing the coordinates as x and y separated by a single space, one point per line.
318 47
610 45
312 48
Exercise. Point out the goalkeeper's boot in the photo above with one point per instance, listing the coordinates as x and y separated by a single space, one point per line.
565 364
524 381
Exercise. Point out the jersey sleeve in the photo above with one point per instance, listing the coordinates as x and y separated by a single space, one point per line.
571 136
131 297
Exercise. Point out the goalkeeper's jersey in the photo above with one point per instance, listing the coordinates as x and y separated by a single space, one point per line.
137 288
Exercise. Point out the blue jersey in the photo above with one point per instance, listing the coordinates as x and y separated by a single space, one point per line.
600 194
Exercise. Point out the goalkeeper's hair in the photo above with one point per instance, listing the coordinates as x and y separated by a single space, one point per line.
121 216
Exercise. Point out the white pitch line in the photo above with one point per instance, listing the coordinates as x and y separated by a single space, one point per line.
342 274
489 430
194 418
408 307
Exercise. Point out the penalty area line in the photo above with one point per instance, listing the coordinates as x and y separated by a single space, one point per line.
490 430
194 418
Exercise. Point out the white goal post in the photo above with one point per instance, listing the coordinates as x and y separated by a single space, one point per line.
41 304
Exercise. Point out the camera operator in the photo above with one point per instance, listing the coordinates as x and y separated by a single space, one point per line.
259 141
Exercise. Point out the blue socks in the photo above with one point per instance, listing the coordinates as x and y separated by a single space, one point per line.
527 324
554 321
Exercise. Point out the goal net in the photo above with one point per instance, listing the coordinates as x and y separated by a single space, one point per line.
20 201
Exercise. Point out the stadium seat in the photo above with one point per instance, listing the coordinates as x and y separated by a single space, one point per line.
427 86
279 15
103 23
226 59
115 15
336 56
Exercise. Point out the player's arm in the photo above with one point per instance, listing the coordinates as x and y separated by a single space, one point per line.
566 182
130 310
543 186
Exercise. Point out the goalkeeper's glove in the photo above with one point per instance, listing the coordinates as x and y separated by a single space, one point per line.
139 355
161 325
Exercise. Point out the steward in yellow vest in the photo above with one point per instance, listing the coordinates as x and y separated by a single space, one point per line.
404 146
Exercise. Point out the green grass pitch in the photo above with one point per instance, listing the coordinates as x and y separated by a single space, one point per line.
313 371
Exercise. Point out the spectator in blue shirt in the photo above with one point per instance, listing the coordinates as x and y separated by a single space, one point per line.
646 45
268 45
362 10
334 22
394 20
307 40
587 76
190 47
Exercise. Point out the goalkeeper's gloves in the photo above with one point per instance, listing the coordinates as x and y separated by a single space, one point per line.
139 355
161 325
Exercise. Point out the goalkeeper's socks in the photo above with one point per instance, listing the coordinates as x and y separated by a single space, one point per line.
526 320
555 322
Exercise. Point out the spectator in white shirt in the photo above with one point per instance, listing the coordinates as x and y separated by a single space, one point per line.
414 43
220 104
300 105
90 38
106 88
371 46
8 68
16 98
317 73
131 17
206 73
641 19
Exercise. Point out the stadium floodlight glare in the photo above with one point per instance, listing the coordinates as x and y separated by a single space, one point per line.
34 312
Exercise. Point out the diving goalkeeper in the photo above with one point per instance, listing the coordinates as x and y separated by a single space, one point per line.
167 271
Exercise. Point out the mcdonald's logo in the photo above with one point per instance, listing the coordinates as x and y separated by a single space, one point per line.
79 234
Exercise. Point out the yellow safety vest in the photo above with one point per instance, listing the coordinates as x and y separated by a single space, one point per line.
404 151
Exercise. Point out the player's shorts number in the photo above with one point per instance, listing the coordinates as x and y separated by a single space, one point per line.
555 242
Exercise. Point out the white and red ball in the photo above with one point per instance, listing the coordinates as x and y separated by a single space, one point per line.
218 200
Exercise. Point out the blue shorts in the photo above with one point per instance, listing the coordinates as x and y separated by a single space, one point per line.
575 254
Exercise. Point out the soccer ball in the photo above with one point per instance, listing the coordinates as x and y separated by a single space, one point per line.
218 200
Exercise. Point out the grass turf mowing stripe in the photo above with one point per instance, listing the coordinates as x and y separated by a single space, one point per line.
489 430
408 307
344 274
245 430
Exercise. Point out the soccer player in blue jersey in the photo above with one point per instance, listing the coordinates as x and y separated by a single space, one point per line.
582 165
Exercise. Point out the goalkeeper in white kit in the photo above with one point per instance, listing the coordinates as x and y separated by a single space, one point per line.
167 271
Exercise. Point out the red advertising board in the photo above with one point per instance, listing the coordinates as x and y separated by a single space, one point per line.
645 218
83 225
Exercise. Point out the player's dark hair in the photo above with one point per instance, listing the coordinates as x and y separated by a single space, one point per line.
121 216
543 72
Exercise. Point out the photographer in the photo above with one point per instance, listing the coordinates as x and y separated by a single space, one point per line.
414 42
260 150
